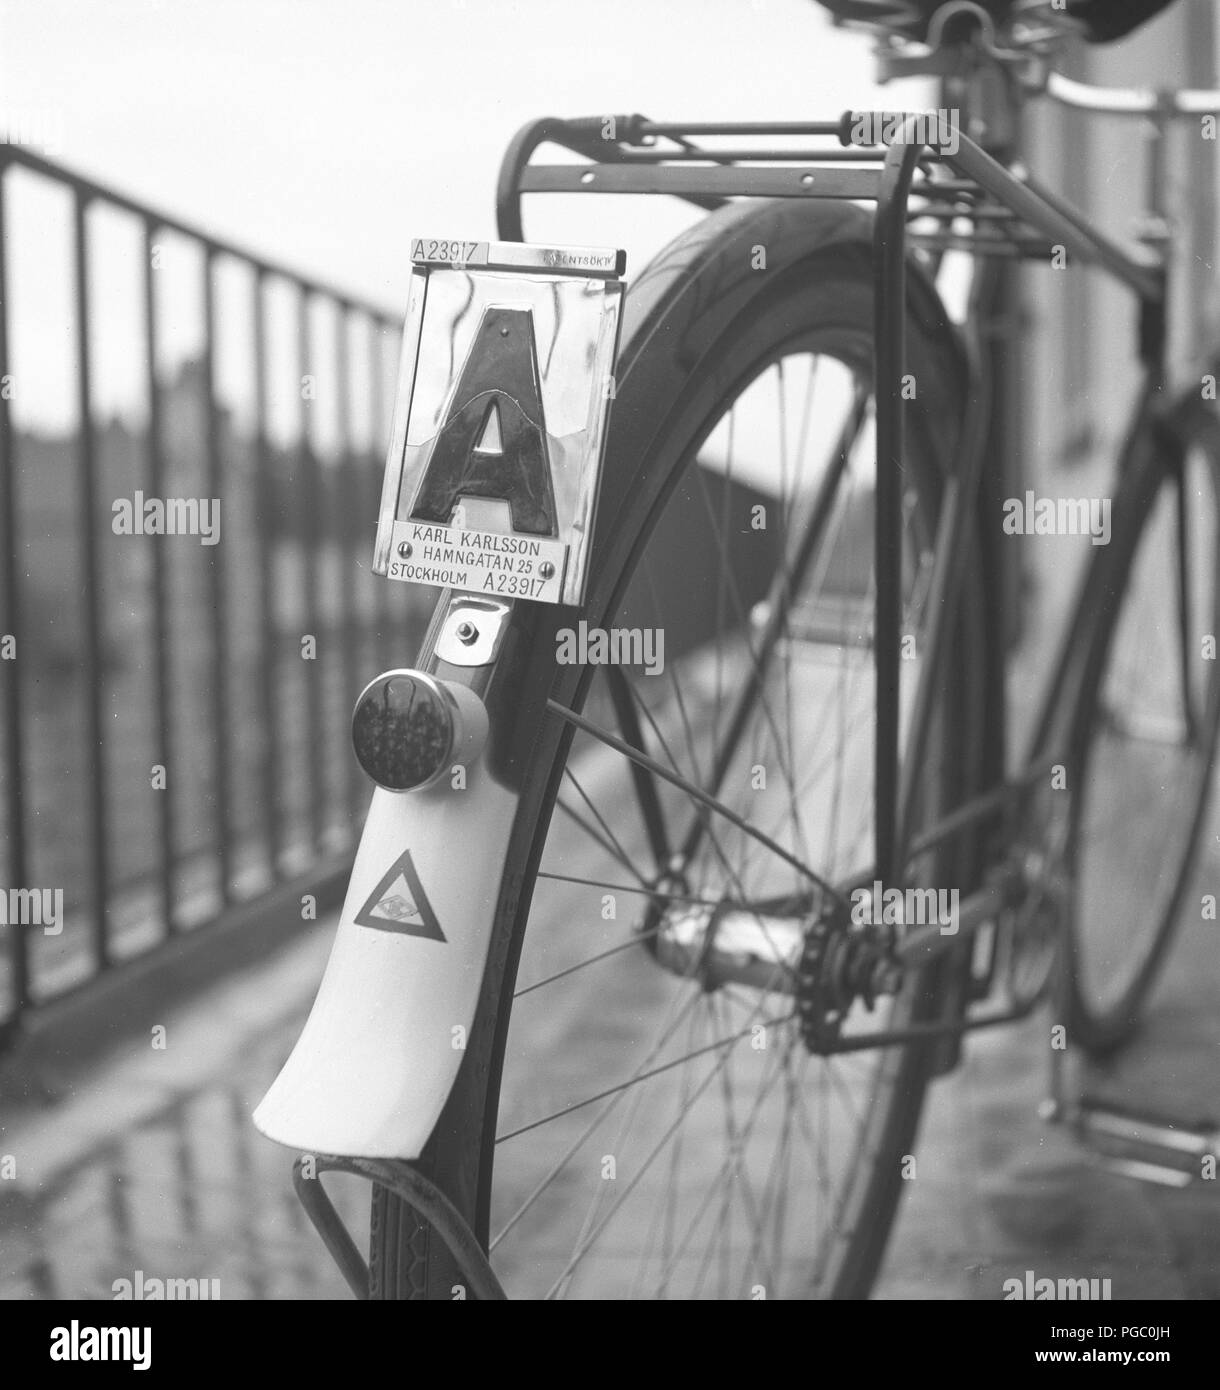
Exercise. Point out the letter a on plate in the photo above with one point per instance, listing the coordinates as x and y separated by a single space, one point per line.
493 442
399 904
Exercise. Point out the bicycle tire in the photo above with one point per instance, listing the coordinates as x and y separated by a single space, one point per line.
1126 578
820 282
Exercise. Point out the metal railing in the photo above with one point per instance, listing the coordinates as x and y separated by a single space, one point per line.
176 713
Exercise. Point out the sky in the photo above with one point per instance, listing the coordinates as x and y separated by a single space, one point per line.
326 133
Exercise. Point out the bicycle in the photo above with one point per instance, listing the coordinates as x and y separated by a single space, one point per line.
836 872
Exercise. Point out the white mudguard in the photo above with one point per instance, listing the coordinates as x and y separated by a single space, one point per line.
382 1046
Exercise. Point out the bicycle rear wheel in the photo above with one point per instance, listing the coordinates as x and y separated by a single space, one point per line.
651 1137
1145 731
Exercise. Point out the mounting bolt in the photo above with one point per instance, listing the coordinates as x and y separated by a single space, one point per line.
467 632
404 549
546 569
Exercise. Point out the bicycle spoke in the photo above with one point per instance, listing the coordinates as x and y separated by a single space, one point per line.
625 1085
645 892
673 1024
623 700
596 836
786 584
670 1130
694 792
611 838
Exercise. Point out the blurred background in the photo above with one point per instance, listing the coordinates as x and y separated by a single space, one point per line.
206 212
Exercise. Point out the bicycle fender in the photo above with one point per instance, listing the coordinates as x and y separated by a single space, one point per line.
379 1052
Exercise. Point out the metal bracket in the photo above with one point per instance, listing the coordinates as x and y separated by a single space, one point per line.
470 634
418 1192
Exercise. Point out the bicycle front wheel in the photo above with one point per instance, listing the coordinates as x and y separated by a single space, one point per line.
636 1132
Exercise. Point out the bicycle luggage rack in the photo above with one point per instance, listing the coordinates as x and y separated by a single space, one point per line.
630 154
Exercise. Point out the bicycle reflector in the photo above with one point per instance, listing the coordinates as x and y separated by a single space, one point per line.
409 729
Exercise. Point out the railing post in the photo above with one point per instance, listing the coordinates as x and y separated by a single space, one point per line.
14 784
348 543
109 883
269 538
309 493
216 588
381 601
164 733
91 646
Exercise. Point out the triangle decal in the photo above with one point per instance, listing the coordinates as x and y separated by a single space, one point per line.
399 904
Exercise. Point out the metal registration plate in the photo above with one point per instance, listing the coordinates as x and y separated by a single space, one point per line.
504 392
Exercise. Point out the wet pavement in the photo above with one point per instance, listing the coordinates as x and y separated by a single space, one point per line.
148 1163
